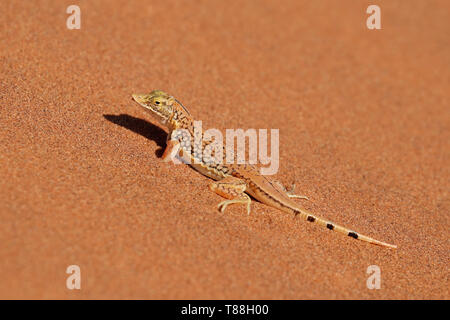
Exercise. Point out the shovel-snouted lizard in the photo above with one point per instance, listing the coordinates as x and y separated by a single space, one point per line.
233 181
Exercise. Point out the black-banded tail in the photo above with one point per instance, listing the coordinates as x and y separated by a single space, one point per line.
332 226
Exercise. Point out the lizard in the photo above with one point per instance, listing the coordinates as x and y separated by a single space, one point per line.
234 182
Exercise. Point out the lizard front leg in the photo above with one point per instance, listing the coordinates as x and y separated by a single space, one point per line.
171 151
233 189
178 146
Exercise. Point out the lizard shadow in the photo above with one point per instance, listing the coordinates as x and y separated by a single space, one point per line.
144 128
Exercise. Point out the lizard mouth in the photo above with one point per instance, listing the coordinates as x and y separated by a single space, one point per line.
139 98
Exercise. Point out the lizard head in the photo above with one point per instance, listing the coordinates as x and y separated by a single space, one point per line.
157 103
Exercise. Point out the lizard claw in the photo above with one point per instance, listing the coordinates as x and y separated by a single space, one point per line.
223 205
290 193
297 196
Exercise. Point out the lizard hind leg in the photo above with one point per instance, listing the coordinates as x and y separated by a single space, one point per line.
290 192
232 189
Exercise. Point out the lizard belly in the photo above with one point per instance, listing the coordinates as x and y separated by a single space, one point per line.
204 169
208 171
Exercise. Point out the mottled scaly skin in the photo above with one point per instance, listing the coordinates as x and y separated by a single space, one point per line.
233 181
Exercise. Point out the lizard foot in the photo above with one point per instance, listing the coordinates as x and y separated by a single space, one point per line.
222 206
233 189
290 192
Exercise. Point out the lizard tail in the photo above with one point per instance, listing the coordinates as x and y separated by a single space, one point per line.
332 226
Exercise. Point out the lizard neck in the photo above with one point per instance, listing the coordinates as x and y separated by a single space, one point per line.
180 118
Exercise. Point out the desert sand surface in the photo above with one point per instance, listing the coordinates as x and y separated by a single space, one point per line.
364 133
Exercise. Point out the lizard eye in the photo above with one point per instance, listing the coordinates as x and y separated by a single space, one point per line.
157 102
